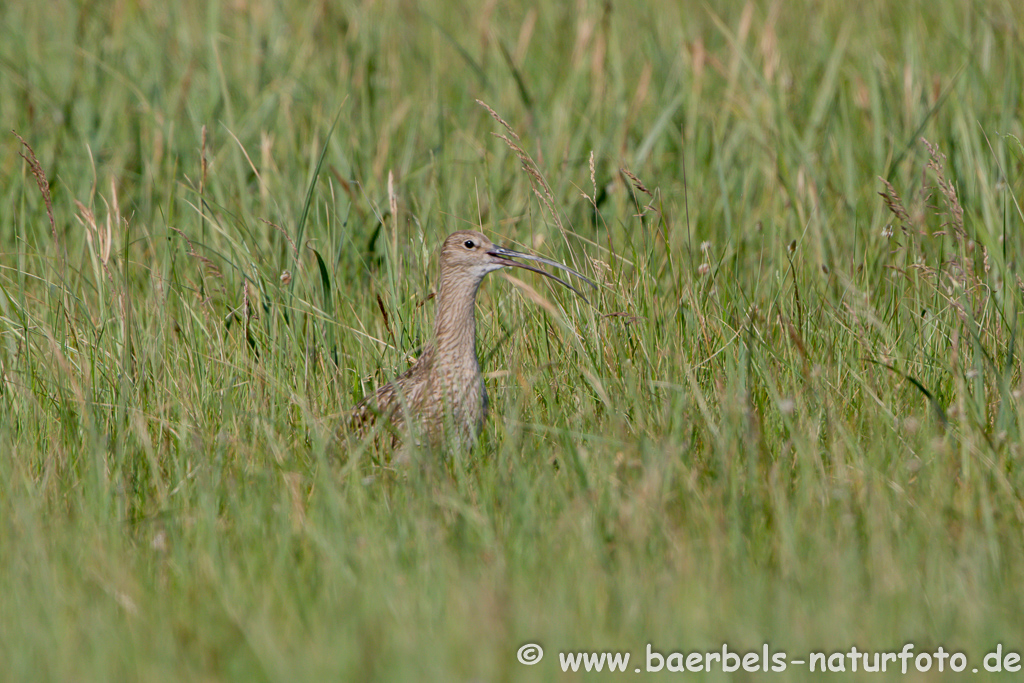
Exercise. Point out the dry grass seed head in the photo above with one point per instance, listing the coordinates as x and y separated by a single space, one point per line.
209 267
543 192
500 120
392 197
593 180
636 182
284 233
29 155
937 163
893 202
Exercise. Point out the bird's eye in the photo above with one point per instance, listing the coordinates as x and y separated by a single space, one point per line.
469 244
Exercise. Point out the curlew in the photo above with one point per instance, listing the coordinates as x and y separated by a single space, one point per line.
441 399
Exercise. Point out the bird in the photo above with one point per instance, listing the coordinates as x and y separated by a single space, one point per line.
441 399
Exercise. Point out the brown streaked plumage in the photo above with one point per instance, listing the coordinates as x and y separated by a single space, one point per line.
444 385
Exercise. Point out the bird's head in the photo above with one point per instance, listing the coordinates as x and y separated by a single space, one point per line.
470 253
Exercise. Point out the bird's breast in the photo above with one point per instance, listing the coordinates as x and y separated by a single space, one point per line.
465 398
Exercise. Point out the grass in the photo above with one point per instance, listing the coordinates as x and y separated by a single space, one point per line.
793 415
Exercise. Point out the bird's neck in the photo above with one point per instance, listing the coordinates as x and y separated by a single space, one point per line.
455 322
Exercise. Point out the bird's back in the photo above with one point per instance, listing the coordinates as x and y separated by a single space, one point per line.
424 403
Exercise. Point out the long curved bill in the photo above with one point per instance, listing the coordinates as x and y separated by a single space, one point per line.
503 256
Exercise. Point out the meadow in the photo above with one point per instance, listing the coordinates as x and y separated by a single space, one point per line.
791 416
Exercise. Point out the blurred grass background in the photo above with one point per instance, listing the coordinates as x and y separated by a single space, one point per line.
792 416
